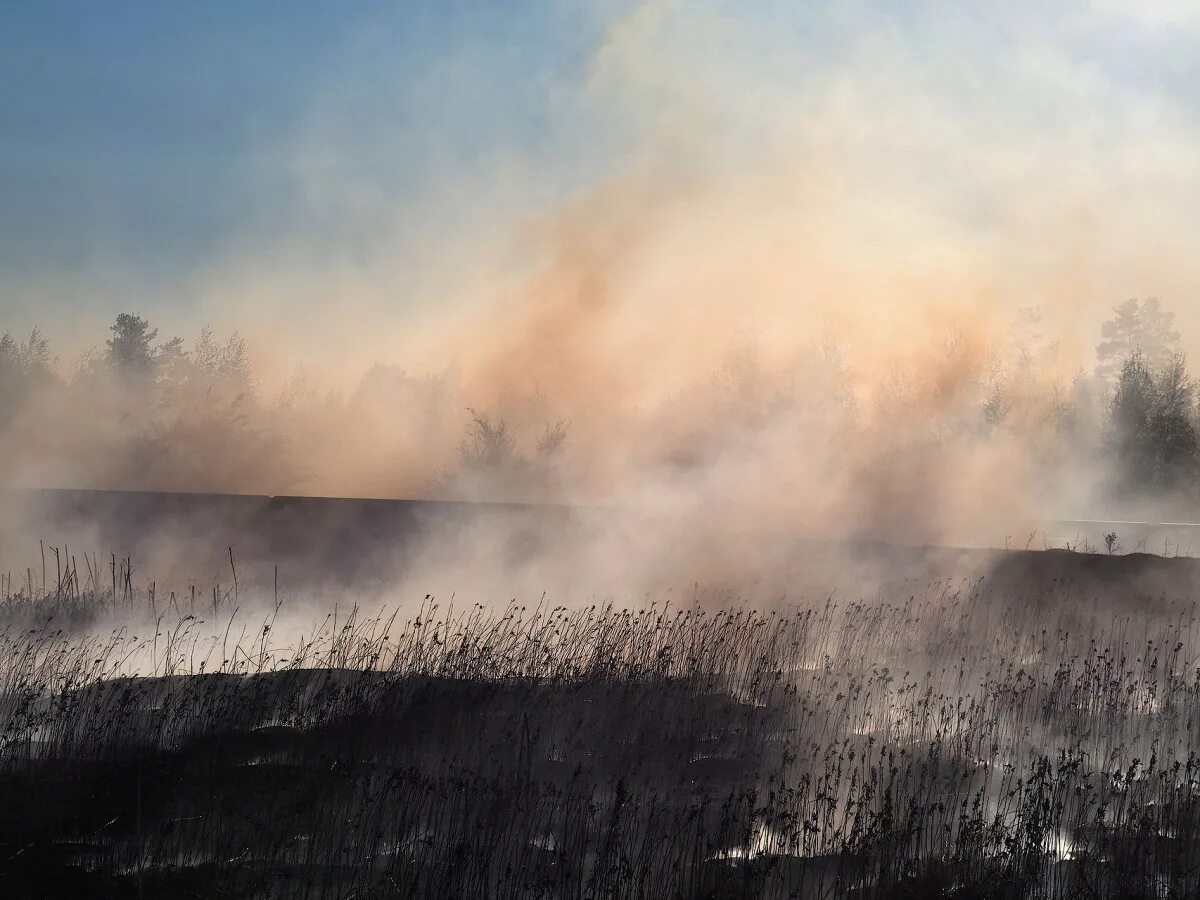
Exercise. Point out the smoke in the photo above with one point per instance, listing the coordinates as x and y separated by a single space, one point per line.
767 277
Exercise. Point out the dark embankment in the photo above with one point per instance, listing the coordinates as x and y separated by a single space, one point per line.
182 537
314 543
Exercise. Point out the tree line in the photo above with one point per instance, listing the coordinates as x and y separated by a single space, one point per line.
140 412
143 412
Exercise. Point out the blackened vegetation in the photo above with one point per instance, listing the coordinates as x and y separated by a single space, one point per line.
963 741
317 544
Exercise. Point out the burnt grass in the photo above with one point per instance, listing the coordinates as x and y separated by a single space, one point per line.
1010 736
416 786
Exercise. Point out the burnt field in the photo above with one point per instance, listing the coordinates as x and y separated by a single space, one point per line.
322 544
632 450
951 723
319 540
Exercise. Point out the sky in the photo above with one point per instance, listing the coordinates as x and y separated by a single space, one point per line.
142 141
344 179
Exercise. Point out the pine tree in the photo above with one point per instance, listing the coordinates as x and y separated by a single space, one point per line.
130 349
1144 327
1129 424
1152 431
1172 431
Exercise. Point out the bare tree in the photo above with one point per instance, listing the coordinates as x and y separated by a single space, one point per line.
489 444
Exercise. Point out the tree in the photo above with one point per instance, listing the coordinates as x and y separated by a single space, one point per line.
1172 430
996 408
227 361
1144 327
1082 414
24 366
1129 423
490 444
1152 433
130 349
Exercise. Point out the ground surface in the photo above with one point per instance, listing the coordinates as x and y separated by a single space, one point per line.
958 723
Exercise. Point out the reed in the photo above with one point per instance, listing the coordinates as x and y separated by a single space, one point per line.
956 742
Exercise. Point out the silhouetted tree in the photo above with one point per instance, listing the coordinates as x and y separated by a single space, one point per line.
1152 432
1172 427
490 443
1129 422
130 349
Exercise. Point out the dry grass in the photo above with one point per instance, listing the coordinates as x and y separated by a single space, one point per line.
955 742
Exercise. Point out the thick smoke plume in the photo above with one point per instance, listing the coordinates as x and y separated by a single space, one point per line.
860 324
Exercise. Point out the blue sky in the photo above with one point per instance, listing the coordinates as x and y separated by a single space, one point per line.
126 125
143 133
